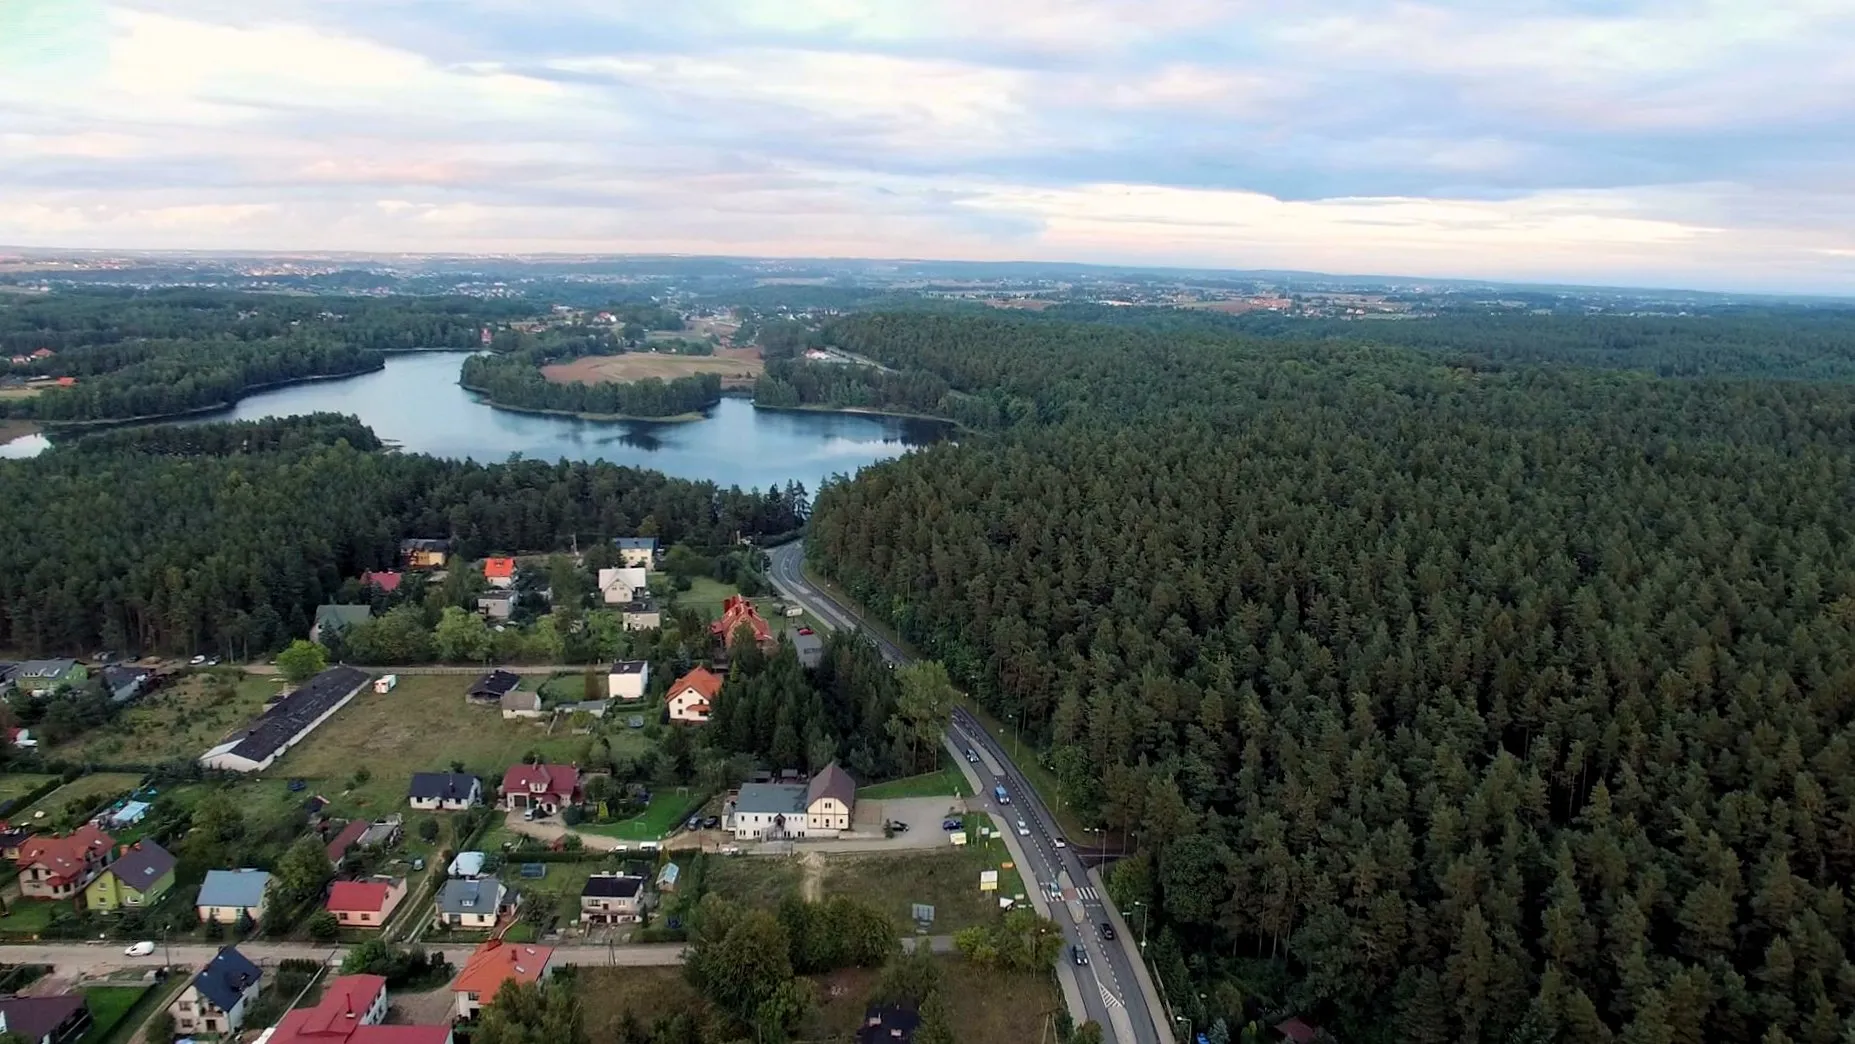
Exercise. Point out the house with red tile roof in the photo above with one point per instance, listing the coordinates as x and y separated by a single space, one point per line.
500 572
53 867
737 612
548 788
352 1011
496 962
365 904
386 580
43 353
344 841
691 697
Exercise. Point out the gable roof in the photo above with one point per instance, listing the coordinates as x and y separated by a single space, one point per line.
482 895
293 713
738 610
442 786
234 888
636 543
34 1018
43 668
700 679
337 1018
493 685
499 568
360 896
497 962
612 886
521 701
342 615
631 667
385 580
226 978
561 780
349 836
116 676
68 855
140 867
424 545
832 782
787 799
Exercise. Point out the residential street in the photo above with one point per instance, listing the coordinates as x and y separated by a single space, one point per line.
78 959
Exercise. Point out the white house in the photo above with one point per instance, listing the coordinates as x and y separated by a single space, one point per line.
790 811
446 791
691 697
628 679
218 997
622 585
830 800
637 551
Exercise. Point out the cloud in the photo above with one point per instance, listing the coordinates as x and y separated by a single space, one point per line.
1702 141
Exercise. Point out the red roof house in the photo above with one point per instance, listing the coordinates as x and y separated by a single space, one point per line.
548 788
495 963
736 612
500 572
351 1013
365 904
52 867
690 697
43 353
385 581
67 382
349 837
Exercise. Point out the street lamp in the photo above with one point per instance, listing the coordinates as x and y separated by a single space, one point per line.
1141 906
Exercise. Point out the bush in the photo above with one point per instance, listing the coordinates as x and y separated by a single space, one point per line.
428 829
323 927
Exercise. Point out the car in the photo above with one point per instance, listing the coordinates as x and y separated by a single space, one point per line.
140 949
950 824
528 813
711 823
197 660
214 662
1107 931
971 758
1023 830
694 823
1059 842
898 827
1079 955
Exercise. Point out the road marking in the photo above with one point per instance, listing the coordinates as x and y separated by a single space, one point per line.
1109 998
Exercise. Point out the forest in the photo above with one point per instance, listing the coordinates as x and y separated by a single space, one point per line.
226 537
516 381
164 352
793 382
1440 699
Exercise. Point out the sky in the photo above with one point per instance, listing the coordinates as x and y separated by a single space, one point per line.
1695 143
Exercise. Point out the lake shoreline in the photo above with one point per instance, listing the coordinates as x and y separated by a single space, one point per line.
16 428
595 418
862 411
56 427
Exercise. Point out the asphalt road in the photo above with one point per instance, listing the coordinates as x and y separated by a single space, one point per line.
99 957
1110 988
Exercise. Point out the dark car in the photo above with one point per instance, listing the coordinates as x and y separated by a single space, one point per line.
1107 931
711 822
1079 955
898 827
950 824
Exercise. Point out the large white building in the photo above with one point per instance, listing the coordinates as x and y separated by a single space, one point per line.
791 811
288 721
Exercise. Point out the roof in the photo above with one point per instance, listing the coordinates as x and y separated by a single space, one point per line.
226 978
234 888
612 886
496 962
771 798
467 864
442 786
343 615
888 1024
43 668
34 1018
116 677
668 875
832 782
349 836
360 896
66 855
631 667
701 679
399 1035
499 568
385 580
737 611
492 685
337 1018
292 714
424 545
140 867
562 780
636 543
521 701
480 896
1296 1030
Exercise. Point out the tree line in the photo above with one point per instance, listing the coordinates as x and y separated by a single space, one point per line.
1436 703
513 380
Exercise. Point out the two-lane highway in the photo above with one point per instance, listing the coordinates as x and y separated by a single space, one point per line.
1110 984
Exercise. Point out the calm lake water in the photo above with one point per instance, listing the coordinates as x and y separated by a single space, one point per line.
416 403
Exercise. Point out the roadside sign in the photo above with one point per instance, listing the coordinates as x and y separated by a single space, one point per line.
988 880
924 914
958 837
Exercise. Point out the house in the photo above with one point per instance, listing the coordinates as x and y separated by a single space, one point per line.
124 815
39 677
125 683
136 880
346 839
383 833
219 996
496 605
473 904
424 554
691 697
226 894
57 1019
448 791
888 1024
52 867
331 620
388 582
12 839
628 679
548 788
738 612
611 899
467 864
494 963
352 1011
623 584
492 687
500 572
1297 1031
43 353
365 904
286 722
637 551
830 800
519 704
810 648
642 615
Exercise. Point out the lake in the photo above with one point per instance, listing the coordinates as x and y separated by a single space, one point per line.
416 403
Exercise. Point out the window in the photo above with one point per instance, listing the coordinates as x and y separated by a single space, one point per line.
471 997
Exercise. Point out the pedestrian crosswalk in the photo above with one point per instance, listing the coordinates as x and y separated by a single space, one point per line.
1087 895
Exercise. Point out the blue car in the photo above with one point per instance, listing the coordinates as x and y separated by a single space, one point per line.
950 824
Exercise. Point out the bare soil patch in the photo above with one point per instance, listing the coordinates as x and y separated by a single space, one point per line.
738 369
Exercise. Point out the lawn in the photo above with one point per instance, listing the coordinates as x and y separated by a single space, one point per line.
666 810
946 879
606 994
561 887
705 596
16 785
760 881
110 1007
178 721
947 781
91 788
570 687
28 916
423 725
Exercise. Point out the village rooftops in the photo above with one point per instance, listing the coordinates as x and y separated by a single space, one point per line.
492 687
226 978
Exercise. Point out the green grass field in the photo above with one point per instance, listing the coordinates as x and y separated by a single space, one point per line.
755 880
946 879
109 1007
178 721
948 781
92 787
15 785
28 915
666 810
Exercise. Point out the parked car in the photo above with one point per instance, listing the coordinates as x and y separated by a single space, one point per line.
711 823
528 813
694 823
1107 931
1079 955
1059 842
950 824
898 827
140 949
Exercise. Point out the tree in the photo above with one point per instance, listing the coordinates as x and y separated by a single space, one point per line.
461 637
923 709
531 1013
738 958
323 927
302 870
159 1029
302 661
1087 1033
428 829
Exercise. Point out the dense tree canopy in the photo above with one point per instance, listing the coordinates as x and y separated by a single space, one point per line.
1443 704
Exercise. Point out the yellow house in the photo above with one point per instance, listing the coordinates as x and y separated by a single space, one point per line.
137 880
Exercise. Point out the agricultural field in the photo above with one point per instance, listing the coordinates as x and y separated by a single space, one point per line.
180 720
946 879
737 369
